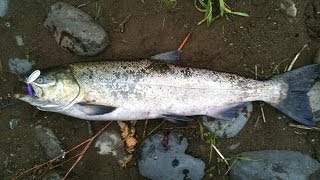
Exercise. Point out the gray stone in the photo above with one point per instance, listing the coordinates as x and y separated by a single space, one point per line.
20 66
4 5
108 143
168 162
75 30
227 129
274 164
49 142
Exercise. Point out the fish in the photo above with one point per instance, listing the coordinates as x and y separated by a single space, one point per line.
160 87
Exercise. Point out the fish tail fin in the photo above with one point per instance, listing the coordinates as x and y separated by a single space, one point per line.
297 105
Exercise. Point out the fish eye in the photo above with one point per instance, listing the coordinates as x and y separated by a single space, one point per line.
44 80
39 80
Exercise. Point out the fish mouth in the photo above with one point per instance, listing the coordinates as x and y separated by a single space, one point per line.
28 90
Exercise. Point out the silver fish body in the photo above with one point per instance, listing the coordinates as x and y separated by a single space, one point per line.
149 89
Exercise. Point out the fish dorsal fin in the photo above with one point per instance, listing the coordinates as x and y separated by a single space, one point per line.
94 109
171 56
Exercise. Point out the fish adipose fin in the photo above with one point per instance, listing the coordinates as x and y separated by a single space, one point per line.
297 105
93 109
229 113
172 56
182 120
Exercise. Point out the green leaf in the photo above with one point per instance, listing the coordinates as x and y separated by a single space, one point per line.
240 14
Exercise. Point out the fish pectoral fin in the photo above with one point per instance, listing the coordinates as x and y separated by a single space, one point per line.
182 120
94 109
171 56
230 112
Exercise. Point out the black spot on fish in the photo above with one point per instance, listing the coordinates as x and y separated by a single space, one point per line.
186 72
175 163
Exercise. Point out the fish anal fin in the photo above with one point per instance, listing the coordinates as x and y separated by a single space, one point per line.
171 56
177 119
94 109
229 112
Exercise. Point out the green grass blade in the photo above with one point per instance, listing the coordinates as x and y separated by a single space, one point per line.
240 14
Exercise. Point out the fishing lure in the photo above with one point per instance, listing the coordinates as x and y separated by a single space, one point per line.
33 76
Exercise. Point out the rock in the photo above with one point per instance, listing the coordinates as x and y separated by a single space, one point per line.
168 162
20 66
49 142
4 5
227 129
288 7
13 123
108 143
75 30
274 164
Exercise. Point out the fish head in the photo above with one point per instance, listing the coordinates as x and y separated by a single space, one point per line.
51 90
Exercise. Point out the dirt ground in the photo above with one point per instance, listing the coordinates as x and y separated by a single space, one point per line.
265 39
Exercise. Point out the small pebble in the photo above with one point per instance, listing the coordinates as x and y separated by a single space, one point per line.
19 41
13 123
288 7
7 24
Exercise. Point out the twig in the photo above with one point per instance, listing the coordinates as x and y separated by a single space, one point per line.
256 124
219 153
188 127
124 22
262 112
184 42
256 71
90 132
66 160
304 127
85 149
155 128
145 128
295 58
164 19
51 161
82 5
